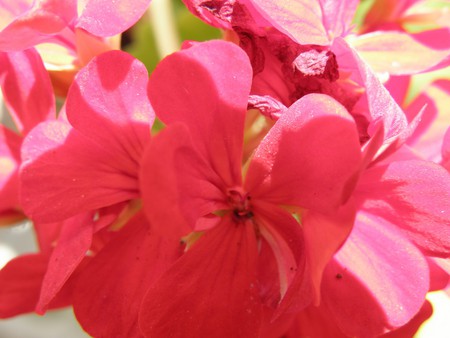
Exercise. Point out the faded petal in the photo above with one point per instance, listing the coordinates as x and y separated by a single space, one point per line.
26 88
301 20
396 52
107 18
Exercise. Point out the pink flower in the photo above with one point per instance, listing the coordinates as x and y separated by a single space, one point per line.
403 203
26 23
305 47
236 227
81 171
68 33
107 127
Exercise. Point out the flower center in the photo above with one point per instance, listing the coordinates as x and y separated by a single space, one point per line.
239 202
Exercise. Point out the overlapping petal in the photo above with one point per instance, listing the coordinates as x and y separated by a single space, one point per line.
33 22
178 185
396 52
111 287
381 106
26 88
377 281
206 87
111 107
55 187
96 162
30 23
73 243
413 195
218 272
301 20
313 147
338 15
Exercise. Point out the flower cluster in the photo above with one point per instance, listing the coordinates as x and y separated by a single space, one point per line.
283 181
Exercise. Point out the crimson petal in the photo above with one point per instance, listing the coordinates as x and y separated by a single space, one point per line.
210 291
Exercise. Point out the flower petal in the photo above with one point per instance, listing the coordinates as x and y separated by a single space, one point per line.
27 89
301 20
111 107
413 195
285 237
178 186
324 235
108 18
338 15
35 23
111 287
381 105
64 174
207 87
309 158
396 52
20 284
377 281
73 243
218 272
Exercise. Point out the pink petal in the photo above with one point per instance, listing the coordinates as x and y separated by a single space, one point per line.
20 284
108 18
377 281
64 174
178 186
27 89
36 23
413 195
284 236
380 104
73 243
412 327
396 52
301 20
207 87
430 133
338 15
309 158
324 235
111 287
111 107
218 272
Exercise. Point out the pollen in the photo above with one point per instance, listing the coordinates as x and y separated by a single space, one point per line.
240 205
